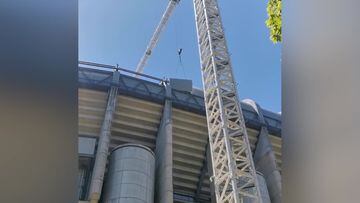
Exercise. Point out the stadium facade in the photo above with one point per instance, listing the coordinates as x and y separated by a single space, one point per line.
161 121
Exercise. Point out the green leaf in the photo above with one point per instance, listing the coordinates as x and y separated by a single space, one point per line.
274 22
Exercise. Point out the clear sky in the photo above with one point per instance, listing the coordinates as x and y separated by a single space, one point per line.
117 32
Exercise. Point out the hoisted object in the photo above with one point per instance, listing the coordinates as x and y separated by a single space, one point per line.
179 51
179 54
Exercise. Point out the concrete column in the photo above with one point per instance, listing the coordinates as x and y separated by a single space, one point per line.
97 177
164 154
264 159
265 162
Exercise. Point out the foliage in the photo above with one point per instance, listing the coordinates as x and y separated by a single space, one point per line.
274 20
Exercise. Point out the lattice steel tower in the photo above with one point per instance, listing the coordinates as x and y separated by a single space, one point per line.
234 176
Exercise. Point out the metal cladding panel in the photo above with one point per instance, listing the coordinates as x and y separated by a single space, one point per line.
131 174
91 111
181 84
135 121
86 146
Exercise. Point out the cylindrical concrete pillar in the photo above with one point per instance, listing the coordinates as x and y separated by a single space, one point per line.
98 173
265 198
264 158
263 188
164 153
131 174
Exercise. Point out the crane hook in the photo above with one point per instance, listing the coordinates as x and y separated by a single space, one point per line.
179 51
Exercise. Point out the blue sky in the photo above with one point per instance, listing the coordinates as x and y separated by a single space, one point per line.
117 32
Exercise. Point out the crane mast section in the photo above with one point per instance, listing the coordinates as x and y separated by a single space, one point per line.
155 38
232 164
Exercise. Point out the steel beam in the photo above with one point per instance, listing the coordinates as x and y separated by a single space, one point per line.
164 153
203 171
211 174
103 143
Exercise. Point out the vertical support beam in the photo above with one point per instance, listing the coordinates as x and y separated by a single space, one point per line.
206 168
211 174
203 171
164 153
103 144
264 158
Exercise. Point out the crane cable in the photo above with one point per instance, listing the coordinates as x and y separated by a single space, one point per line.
179 49
179 53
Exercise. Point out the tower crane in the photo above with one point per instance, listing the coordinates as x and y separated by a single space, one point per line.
234 174
155 38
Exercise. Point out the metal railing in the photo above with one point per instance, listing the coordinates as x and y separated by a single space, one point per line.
92 65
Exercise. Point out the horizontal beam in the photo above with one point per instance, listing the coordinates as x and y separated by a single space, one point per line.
111 67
